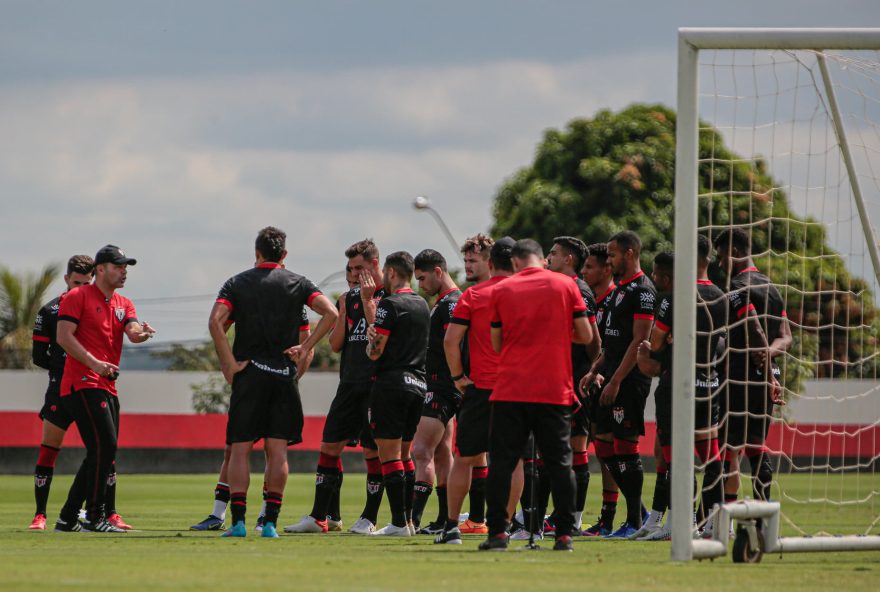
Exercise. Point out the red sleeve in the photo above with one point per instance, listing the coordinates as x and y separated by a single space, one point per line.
312 297
71 306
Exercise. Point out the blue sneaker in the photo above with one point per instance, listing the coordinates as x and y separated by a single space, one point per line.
268 531
209 523
624 532
238 530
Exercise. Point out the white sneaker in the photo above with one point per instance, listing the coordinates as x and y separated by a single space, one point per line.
651 524
391 530
363 526
520 517
334 525
578 524
307 524
521 534
664 533
81 515
463 516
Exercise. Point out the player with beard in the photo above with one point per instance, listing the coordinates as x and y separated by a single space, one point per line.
597 273
567 256
623 389
347 418
398 343
432 446
472 319
758 332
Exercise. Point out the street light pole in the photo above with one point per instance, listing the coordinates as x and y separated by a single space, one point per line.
424 204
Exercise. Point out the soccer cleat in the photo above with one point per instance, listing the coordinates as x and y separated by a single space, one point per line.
101 526
468 527
563 543
62 525
363 526
449 537
307 524
522 534
268 531
209 523
38 523
117 521
664 533
334 525
648 526
392 530
433 529
549 527
261 519
238 530
597 530
623 532
496 542
81 516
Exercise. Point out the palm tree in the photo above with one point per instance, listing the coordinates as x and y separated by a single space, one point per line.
21 297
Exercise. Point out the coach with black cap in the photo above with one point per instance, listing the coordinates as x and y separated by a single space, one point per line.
91 322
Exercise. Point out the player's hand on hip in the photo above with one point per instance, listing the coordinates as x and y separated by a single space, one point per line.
462 383
105 369
295 353
609 393
368 286
230 370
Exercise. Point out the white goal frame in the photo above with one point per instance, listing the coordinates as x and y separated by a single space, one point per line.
690 42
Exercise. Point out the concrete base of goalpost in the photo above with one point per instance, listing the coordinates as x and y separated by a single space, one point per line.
756 538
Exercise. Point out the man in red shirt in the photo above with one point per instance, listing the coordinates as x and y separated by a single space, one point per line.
91 322
534 390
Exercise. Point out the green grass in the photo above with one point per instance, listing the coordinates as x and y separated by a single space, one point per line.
164 555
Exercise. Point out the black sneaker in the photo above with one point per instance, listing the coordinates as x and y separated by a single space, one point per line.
563 543
434 528
449 537
100 526
495 542
62 525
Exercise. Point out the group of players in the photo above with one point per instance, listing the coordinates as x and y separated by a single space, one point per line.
495 392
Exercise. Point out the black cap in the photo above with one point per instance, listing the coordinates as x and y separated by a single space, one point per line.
503 247
113 254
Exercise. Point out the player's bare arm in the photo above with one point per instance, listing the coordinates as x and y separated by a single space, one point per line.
583 331
375 343
782 342
497 335
641 329
647 364
593 375
337 335
67 340
302 365
329 315
452 348
217 326
594 348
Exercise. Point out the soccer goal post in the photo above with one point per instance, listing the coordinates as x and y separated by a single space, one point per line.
778 134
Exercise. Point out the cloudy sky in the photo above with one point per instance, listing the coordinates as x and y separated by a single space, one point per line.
178 129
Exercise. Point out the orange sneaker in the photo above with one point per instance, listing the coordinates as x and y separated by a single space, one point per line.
117 521
39 522
470 527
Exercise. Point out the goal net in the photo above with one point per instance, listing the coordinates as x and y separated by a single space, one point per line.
783 142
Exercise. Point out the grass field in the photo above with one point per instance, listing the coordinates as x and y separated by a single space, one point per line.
163 554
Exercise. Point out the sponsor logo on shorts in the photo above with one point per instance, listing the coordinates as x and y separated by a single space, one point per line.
617 412
266 368
415 382
700 383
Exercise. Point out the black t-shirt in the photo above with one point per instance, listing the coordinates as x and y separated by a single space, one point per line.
403 317
751 289
580 361
632 299
46 352
711 321
267 303
356 366
435 364
602 305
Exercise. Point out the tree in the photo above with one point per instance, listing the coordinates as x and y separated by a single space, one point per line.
616 171
21 297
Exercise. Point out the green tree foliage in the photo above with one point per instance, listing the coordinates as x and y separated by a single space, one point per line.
21 296
616 171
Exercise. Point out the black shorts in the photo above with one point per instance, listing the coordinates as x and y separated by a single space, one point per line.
264 406
347 418
53 411
625 418
395 412
746 414
472 429
581 418
441 402
706 412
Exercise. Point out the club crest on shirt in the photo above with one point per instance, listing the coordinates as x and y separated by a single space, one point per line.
120 314
618 299
618 414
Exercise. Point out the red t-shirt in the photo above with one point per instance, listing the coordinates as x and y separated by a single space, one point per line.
473 312
536 309
100 324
